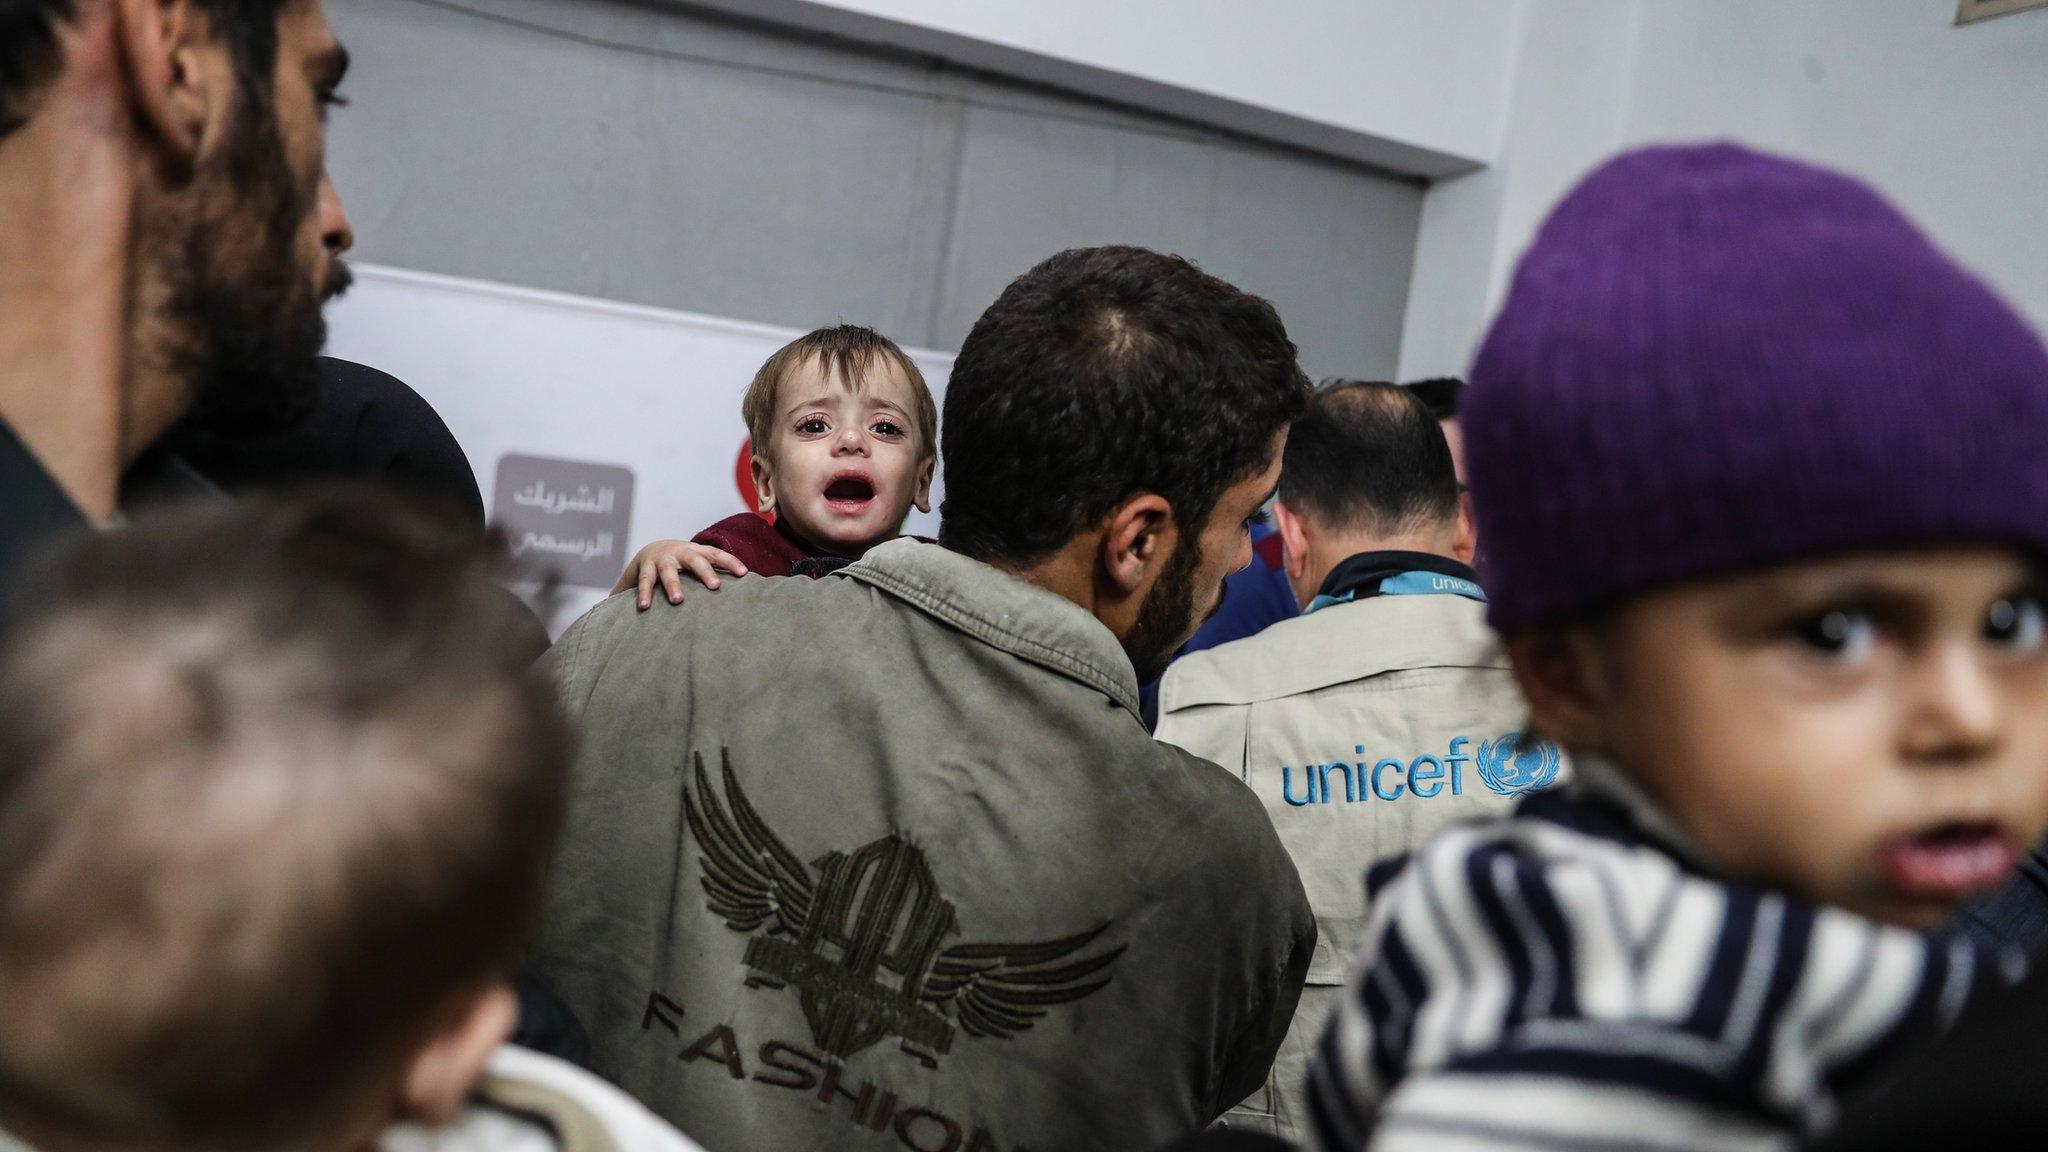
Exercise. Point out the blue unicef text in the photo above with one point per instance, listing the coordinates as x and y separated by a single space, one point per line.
1388 778
1506 766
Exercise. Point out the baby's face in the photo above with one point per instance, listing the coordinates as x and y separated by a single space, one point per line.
1870 732
844 468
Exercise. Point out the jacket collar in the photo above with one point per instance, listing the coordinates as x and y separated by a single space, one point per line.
1359 576
998 609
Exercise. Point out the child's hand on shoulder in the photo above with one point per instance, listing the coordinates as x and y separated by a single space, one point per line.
666 560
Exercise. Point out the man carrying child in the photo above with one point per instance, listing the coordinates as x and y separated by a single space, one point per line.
886 859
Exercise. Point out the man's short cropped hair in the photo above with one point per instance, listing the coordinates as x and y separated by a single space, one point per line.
1101 374
1440 394
1369 457
279 787
850 352
30 57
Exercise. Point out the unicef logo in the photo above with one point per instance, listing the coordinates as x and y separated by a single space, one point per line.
1511 771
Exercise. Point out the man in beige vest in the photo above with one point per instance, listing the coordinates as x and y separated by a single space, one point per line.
1384 711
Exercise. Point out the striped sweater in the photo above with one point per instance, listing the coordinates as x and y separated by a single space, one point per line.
1568 978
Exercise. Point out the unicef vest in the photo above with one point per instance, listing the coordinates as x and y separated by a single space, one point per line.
1362 727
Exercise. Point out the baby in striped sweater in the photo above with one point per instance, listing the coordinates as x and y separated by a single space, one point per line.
1763 478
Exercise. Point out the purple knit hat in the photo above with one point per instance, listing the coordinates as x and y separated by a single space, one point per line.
1714 360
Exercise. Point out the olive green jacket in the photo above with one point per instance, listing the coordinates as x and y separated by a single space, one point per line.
887 860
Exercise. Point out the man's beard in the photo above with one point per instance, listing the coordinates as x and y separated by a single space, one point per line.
247 312
1167 617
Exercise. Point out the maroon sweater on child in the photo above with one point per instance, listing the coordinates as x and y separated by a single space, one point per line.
769 549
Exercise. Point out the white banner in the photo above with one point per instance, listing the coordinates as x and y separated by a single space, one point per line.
574 389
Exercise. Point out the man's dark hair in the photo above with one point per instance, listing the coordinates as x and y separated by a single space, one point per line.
1439 393
1101 374
278 789
29 56
1369 457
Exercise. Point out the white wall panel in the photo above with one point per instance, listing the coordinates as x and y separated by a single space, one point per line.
514 370
641 154
1416 86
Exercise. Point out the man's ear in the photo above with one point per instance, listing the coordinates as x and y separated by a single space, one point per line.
1565 681
177 70
1293 537
445 1071
923 499
1465 541
764 484
1136 541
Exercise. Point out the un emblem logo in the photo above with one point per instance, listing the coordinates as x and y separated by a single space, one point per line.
1510 771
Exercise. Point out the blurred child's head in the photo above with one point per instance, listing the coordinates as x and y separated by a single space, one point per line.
278 791
845 438
1763 477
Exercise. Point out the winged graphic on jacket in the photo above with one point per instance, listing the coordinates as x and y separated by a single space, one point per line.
863 939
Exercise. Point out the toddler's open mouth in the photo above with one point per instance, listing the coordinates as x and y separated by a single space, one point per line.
849 493
1949 860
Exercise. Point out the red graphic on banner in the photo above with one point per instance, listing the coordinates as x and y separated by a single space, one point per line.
743 479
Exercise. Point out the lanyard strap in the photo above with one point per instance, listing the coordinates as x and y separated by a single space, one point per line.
1411 583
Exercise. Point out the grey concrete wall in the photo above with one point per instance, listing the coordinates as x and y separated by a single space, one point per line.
657 157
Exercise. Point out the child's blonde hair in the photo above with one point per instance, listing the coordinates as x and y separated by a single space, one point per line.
850 352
